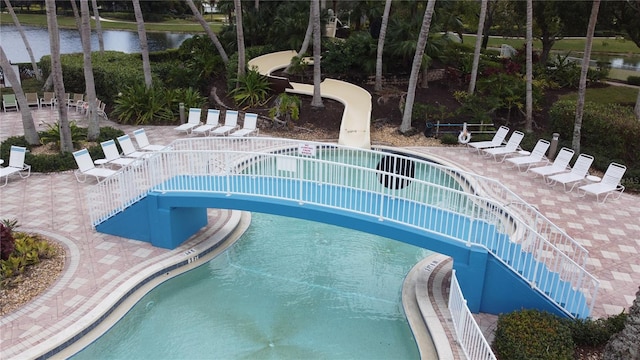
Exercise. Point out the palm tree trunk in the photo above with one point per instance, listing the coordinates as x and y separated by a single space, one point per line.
66 143
93 130
582 86
476 52
528 123
34 64
636 110
415 67
30 133
207 29
76 16
316 101
381 37
96 15
240 39
144 46
306 40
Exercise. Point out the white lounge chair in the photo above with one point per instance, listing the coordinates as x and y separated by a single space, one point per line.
249 127
48 99
87 168
609 184
213 121
512 147
192 121
230 124
32 99
16 165
128 150
498 140
578 173
112 156
143 141
76 101
9 102
537 155
559 165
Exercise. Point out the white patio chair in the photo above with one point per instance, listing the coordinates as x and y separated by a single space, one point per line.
512 147
143 141
559 165
128 149
192 122
32 99
9 102
16 165
578 173
609 184
249 127
498 140
230 124
49 99
100 109
76 101
213 121
112 156
86 167
537 155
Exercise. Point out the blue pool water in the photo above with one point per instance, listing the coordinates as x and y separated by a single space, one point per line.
288 289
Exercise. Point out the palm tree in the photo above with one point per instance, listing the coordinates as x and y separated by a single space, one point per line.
96 15
34 64
305 41
237 4
529 65
93 130
476 52
30 133
144 46
381 37
66 144
636 110
207 29
316 101
415 67
582 86
76 16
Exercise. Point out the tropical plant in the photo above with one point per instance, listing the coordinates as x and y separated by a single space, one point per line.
286 108
139 105
52 134
6 241
252 89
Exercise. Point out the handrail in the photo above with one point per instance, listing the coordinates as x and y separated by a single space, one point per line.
468 333
475 205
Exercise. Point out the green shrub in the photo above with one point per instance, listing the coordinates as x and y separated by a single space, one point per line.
449 139
531 334
28 250
252 89
7 242
353 59
609 132
633 80
589 332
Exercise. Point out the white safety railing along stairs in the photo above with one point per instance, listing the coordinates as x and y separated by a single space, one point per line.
535 249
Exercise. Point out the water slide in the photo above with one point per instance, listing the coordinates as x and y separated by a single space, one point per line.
356 119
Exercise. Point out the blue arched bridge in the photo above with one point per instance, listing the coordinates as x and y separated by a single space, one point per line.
507 255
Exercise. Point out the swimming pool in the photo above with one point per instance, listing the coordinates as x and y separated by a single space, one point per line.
287 289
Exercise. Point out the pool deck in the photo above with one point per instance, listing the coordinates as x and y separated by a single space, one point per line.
99 267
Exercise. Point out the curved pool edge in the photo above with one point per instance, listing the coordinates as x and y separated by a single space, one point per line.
426 309
205 246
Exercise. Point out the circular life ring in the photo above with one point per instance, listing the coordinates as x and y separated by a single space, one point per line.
464 137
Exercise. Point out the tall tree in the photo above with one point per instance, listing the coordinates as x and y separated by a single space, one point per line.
96 15
34 64
240 39
93 130
30 133
76 16
405 126
316 101
66 143
307 38
144 46
636 110
381 37
528 123
476 52
207 29
582 87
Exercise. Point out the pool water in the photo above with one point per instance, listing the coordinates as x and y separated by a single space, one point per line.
288 289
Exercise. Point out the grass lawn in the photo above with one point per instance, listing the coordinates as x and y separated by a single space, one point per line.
601 45
607 95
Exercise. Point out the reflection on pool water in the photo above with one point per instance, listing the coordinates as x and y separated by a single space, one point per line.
288 288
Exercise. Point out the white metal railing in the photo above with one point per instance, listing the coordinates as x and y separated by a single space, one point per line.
477 208
468 333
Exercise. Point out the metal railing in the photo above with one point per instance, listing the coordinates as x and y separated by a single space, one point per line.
444 201
468 333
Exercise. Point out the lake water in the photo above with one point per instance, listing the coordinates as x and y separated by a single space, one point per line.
117 40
